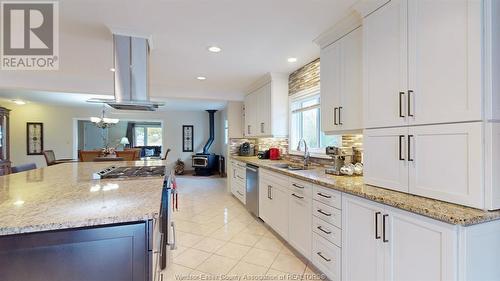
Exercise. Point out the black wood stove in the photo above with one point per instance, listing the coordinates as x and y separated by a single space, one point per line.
205 163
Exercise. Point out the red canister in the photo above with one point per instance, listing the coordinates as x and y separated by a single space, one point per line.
274 154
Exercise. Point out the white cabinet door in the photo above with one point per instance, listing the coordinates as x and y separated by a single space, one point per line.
265 203
299 234
418 248
264 111
330 86
249 114
445 162
385 159
350 109
279 198
444 52
362 249
385 66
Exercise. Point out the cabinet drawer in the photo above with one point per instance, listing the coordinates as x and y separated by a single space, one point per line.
327 213
301 187
326 257
327 231
240 192
274 179
327 196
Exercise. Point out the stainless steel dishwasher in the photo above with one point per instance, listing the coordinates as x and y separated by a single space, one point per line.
252 186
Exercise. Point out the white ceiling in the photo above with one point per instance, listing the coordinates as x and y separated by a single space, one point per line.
80 100
256 37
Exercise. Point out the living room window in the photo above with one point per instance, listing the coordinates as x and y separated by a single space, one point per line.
305 123
148 135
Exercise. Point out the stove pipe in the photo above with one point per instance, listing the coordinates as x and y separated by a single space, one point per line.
211 117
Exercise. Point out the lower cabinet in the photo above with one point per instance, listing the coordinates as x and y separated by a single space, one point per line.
299 234
273 202
237 179
391 244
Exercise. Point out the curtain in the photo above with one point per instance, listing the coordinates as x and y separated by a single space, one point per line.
130 133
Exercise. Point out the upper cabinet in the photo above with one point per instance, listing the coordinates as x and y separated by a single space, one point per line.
341 83
422 63
266 107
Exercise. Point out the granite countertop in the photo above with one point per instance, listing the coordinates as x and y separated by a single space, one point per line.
435 209
64 196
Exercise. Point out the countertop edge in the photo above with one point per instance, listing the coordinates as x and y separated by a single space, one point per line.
446 218
74 224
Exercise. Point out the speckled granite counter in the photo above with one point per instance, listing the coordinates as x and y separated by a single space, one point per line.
64 196
439 210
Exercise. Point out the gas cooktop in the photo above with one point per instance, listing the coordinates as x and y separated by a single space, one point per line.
114 172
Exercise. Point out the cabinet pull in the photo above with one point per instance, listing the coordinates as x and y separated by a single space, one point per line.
323 195
268 192
401 94
335 116
323 230
384 239
324 213
323 257
296 196
248 129
262 128
401 138
410 92
240 177
377 214
340 114
271 192
409 148
297 185
241 194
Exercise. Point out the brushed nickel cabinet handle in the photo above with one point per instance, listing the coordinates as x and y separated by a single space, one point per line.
323 212
297 196
323 230
323 257
323 195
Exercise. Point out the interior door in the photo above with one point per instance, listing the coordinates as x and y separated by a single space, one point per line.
446 162
362 249
418 248
445 60
330 86
385 66
385 158
351 112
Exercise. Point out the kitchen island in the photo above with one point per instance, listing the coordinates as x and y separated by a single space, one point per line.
56 223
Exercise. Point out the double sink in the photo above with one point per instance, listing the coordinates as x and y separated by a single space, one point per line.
291 167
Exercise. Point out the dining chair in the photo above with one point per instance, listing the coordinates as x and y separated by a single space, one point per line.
137 155
50 158
23 168
89 155
127 155
166 154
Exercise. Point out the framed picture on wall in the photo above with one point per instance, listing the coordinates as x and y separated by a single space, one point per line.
34 138
187 138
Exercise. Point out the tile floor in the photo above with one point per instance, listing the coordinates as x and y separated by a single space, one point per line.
218 237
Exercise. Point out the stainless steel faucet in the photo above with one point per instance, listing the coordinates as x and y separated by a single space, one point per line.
306 151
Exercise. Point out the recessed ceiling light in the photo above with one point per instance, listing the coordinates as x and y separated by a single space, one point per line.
201 78
214 49
292 59
19 102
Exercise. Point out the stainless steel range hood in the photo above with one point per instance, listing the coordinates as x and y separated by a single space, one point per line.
131 77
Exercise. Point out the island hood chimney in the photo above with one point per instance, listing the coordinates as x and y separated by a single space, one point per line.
131 74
